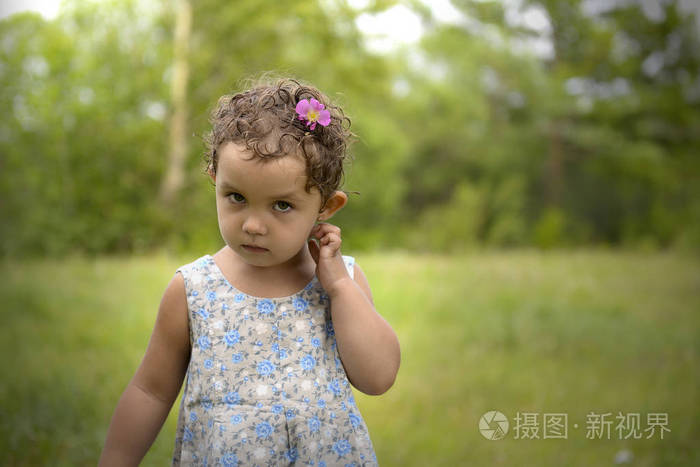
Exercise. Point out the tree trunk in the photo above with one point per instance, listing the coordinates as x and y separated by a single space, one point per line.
175 166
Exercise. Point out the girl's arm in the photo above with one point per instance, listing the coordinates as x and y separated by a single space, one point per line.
368 346
148 398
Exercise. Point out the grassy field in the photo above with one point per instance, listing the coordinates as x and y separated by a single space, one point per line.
579 333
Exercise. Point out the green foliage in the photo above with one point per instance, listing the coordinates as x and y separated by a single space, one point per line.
508 226
81 155
604 132
453 226
549 230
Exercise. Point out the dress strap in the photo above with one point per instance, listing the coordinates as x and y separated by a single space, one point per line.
350 265
200 266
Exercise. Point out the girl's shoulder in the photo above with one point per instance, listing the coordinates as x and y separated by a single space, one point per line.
200 264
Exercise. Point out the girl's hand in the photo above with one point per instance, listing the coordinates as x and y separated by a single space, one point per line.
330 268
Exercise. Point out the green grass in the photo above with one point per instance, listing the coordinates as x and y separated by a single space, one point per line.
559 332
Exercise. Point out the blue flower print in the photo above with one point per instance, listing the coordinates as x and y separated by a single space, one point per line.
206 403
229 460
266 367
321 464
355 421
232 398
204 342
314 424
263 430
256 374
300 304
334 387
342 447
232 337
308 362
266 306
291 455
236 419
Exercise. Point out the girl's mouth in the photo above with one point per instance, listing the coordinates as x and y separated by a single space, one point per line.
254 249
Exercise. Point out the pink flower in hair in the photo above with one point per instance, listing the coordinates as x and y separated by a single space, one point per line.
312 112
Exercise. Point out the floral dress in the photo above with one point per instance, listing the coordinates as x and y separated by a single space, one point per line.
265 384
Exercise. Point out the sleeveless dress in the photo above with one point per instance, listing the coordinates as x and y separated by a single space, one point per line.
265 385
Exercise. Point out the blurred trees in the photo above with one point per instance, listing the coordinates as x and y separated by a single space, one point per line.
595 142
81 138
467 139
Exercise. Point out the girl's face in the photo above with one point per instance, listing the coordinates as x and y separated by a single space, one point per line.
265 213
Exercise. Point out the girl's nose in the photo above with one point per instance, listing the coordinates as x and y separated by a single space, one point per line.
254 226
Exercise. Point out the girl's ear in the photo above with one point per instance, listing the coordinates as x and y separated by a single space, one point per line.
333 205
212 175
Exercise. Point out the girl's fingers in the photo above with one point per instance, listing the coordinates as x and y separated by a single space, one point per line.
331 241
330 238
320 230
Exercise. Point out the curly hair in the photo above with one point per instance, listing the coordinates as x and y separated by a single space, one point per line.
264 120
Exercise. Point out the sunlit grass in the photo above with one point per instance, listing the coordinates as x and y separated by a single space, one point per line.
560 332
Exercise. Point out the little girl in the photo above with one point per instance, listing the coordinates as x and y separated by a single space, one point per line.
272 329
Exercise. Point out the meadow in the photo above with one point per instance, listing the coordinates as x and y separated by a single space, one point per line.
580 333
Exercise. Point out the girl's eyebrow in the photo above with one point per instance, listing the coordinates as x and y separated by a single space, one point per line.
225 184
288 195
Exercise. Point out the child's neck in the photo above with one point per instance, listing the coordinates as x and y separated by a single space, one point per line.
271 281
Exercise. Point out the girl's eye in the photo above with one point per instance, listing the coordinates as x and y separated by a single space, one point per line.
282 206
236 198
